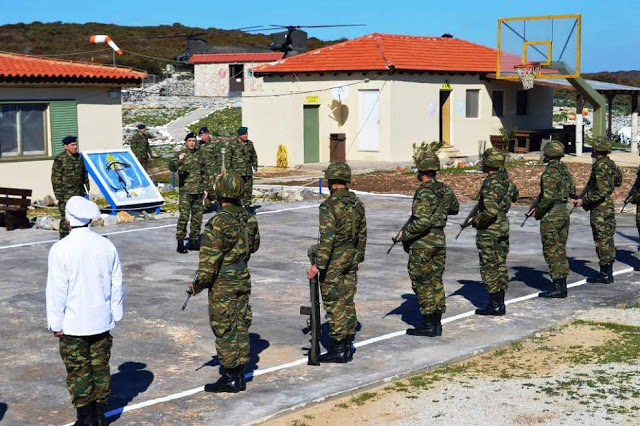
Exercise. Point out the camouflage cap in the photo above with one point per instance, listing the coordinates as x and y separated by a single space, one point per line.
554 149
601 144
428 162
338 171
493 158
229 185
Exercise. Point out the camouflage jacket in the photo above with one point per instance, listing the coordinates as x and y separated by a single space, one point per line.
635 199
229 239
212 153
69 176
432 203
496 195
191 171
343 230
240 157
605 176
556 185
140 145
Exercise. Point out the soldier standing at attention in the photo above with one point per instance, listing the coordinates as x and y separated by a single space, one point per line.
635 199
556 185
229 239
341 247
492 239
84 299
68 177
212 157
193 179
240 157
605 176
140 146
423 238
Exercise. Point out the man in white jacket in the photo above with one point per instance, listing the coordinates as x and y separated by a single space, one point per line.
84 300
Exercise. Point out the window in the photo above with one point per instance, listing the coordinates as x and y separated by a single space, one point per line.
497 101
473 99
521 102
23 130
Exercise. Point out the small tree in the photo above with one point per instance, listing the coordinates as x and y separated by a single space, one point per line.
508 136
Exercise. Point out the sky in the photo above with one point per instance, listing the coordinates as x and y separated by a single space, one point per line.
610 34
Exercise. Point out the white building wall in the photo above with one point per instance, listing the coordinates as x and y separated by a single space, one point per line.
213 79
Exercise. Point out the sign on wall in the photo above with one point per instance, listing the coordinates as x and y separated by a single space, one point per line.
446 86
312 99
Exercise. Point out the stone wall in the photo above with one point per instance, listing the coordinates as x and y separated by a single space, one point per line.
213 79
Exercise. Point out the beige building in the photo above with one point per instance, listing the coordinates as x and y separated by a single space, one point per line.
372 97
224 74
44 100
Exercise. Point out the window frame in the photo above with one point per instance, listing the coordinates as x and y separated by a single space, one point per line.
495 113
523 110
466 103
20 155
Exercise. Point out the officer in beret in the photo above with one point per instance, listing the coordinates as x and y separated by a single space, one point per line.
211 152
68 178
140 146
240 157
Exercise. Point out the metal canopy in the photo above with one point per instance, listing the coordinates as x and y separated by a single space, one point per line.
599 86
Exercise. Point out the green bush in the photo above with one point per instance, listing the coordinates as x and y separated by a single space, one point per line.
223 122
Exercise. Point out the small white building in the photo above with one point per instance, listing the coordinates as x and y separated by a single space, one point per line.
372 97
42 101
224 74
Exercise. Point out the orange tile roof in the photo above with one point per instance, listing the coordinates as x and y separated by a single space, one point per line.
382 52
24 68
221 58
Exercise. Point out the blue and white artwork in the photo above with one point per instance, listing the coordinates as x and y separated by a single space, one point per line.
121 179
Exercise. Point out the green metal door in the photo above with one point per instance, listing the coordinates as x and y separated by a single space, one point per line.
311 133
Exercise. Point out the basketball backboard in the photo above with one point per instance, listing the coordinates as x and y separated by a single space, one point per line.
550 43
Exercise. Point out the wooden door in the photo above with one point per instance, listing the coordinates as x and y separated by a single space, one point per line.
236 78
445 117
311 123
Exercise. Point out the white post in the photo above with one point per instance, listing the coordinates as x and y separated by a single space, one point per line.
578 133
634 132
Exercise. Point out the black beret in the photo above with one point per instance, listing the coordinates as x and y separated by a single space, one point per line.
189 136
69 139
203 130
141 126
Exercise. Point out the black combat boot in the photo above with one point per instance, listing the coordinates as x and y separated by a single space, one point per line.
349 347
495 307
181 248
99 419
339 354
427 327
228 382
240 376
557 291
608 270
503 307
605 276
194 244
85 416
437 321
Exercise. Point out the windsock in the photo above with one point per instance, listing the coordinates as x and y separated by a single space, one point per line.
95 39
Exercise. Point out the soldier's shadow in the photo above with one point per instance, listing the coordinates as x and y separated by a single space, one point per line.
628 257
409 310
131 380
473 291
531 277
325 339
579 266
3 410
256 346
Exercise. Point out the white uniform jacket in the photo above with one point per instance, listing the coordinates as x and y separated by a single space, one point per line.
84 293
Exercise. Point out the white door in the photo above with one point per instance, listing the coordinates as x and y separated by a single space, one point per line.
369 120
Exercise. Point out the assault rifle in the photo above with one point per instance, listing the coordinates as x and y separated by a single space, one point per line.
630 195
313 311
189 294
397 237
532 209
469 219
579 196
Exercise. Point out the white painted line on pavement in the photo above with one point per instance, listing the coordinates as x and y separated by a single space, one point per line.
304 360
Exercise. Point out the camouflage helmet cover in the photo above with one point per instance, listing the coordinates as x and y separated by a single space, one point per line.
554 149
601 144
229 185
338 171
493 158
428 162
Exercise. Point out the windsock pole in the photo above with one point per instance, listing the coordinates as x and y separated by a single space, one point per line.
95 39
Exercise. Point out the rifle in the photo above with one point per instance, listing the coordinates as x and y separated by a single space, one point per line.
397 237
532 209
630 195
313 311
578 197
189 294
469 219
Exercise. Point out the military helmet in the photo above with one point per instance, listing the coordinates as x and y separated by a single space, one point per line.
601 144
493 158
554 149
229 185
428 162
338 171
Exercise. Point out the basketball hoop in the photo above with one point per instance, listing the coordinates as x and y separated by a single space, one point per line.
528 73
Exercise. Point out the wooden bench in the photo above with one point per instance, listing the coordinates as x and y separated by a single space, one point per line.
13 206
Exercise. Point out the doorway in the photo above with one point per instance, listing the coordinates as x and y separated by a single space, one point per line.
445 117
236 78
311 123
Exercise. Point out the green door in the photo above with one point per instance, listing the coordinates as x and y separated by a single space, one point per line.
311 133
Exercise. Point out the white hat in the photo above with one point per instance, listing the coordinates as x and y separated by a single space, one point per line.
79 211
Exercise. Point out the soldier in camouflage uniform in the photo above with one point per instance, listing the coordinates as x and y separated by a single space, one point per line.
492 240
605 176
68 177
212 157
229 239
240 157
341 247
635 199
193 180
140 146
423 238
556 186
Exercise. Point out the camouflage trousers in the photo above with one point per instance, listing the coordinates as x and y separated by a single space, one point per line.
338 291
603 227
230 317
63 229
638 218
86 359
189 205
248 190
493 250
554 234
426 266
144 162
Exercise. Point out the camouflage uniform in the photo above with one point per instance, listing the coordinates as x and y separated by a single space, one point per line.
212 157
68 178
240 157
635 199
141 149
192 182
